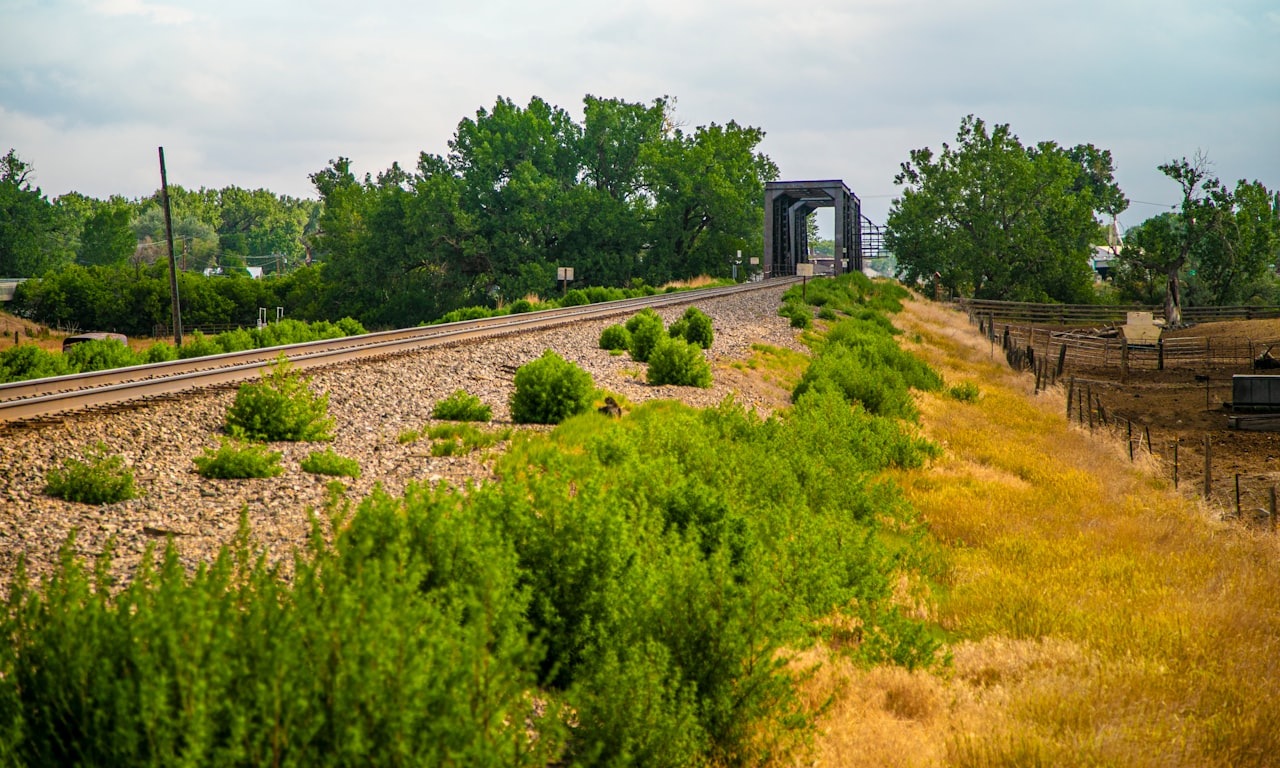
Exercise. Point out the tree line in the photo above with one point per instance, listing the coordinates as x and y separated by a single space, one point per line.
228 227
992 218
627 196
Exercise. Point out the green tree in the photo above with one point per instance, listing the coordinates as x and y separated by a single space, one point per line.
1221 243
1237 262
27 222
107 237
708 193
1000 220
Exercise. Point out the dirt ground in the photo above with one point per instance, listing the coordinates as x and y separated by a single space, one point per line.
1187 405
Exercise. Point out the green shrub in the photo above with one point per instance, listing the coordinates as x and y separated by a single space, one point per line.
965 392
280 407
234 460
549 390
827 313
327 462
694 327
678 362
574 298
159 352
453 439
597 294
646 329
860 359
100 355
615 337
199 346
520 306
461 406
402 642
351 327
27 361
97 479
236 341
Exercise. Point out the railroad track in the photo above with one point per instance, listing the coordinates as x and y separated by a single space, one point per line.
42 398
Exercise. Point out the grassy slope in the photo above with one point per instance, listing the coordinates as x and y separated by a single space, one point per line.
1097 617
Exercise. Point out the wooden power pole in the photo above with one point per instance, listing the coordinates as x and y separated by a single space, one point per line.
173 266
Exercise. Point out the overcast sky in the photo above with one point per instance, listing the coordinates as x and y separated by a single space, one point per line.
263 93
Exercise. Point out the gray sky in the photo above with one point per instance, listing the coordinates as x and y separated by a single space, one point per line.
263 93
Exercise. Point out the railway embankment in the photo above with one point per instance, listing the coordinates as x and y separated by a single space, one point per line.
372 403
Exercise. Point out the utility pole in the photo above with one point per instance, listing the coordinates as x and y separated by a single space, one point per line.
173 266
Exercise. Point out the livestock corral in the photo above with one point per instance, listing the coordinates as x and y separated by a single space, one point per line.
1171 397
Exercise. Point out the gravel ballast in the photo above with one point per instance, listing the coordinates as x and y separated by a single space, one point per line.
372 404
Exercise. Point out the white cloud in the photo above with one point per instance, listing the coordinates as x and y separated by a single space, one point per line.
157 12
262 94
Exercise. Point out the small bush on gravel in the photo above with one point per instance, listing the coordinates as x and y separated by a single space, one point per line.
615 337
694 327
461 406
280 407
676 361
646 329
799 314
234 460
549 390
827 313
98 479
327 462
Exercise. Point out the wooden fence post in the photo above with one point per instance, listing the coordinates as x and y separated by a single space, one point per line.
1062 357
1175 463
1124 360
1160 355
1129 429
1071 393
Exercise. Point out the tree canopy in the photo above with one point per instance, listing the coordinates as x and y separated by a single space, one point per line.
623 196
626 196
1221 244
995 219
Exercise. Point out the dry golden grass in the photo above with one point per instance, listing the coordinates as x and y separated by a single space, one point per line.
1097 617
693 282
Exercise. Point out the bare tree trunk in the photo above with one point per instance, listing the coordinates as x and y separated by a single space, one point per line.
1173 300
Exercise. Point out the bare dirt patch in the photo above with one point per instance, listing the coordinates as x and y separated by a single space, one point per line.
1187 404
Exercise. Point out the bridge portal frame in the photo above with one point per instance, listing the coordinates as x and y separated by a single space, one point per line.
787 205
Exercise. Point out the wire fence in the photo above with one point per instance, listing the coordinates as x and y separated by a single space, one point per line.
1076 350
1016 312
1246 496
1050 354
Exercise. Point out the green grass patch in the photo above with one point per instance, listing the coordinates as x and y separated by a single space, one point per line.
327 462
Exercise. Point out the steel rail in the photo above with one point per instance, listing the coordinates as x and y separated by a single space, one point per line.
26 400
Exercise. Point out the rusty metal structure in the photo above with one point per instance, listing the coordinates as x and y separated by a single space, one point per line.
872 239
787 205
